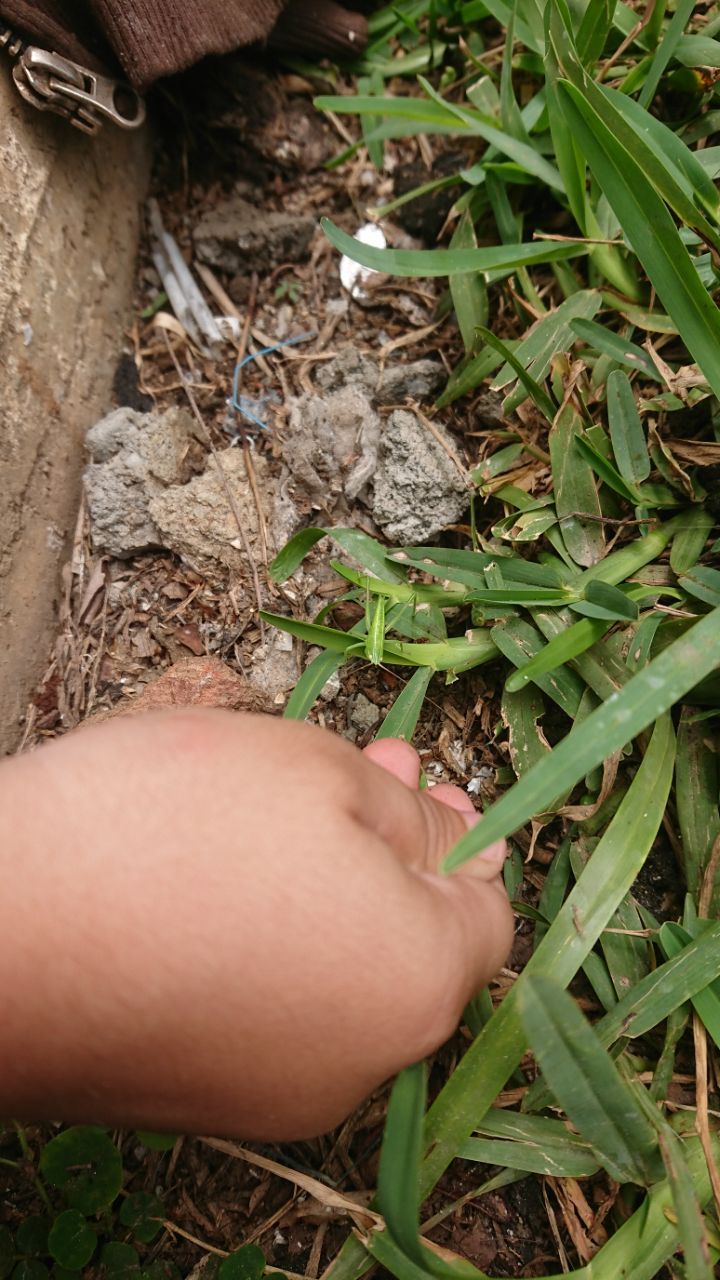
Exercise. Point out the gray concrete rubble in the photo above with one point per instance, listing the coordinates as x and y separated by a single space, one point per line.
418 489
330 445
236 235
134 457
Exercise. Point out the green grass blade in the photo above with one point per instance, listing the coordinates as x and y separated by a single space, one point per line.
626 433
402 717
663 255
696 789
530 386
614 345
369 553
672 939
576 1161
587 1084
520 642
571 642
689 542
448 262
648 694
468 292
668 45
312 682
668 987
398 1191
690 1222
497 1050
576 493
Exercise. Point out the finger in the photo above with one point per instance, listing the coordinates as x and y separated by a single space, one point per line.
455 797
419 829
396 757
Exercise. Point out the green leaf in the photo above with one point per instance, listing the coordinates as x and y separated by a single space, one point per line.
470 567
696 789
648 694
668 45
532 388
402 717
576 494
156 1141
672 938
691 1224
143 1214
586 1083
72 1240
563 648
549 335
689 542
594 30
468 292
7 1253
497 1050
32 1235
616 346
606 602
468 374
247 1263
520 642
398 1193
426 263
703 583
370 554
313 681
30 1269
692 968
650 230
84 1163
575 1161
119 1260
626 433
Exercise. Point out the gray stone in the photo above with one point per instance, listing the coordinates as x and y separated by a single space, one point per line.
420 380
134 457
418 489
236 235
197 520
330 445
364 715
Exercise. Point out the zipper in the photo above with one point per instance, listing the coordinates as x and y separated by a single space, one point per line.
51 82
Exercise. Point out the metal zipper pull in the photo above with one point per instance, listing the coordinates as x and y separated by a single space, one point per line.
50 82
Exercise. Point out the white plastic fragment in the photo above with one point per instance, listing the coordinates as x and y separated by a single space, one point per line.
352 275
183 291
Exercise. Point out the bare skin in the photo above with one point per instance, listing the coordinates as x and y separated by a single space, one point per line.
219 923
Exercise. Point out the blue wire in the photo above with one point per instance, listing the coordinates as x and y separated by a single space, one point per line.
240 403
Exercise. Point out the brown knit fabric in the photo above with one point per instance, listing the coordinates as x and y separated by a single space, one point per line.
149 39
319 29
153 38
60 26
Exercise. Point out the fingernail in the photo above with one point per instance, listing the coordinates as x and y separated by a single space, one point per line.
470 818
495 854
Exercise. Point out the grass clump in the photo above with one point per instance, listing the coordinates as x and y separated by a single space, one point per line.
587 223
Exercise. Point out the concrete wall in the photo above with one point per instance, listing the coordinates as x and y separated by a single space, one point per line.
69 219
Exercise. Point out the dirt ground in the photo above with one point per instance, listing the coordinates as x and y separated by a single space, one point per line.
253 132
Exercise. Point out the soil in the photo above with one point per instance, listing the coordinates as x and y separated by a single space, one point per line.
128 620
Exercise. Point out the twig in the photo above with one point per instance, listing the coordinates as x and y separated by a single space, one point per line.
225 482
360 1213
249 468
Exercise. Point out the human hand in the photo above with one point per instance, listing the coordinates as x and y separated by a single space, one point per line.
232 924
